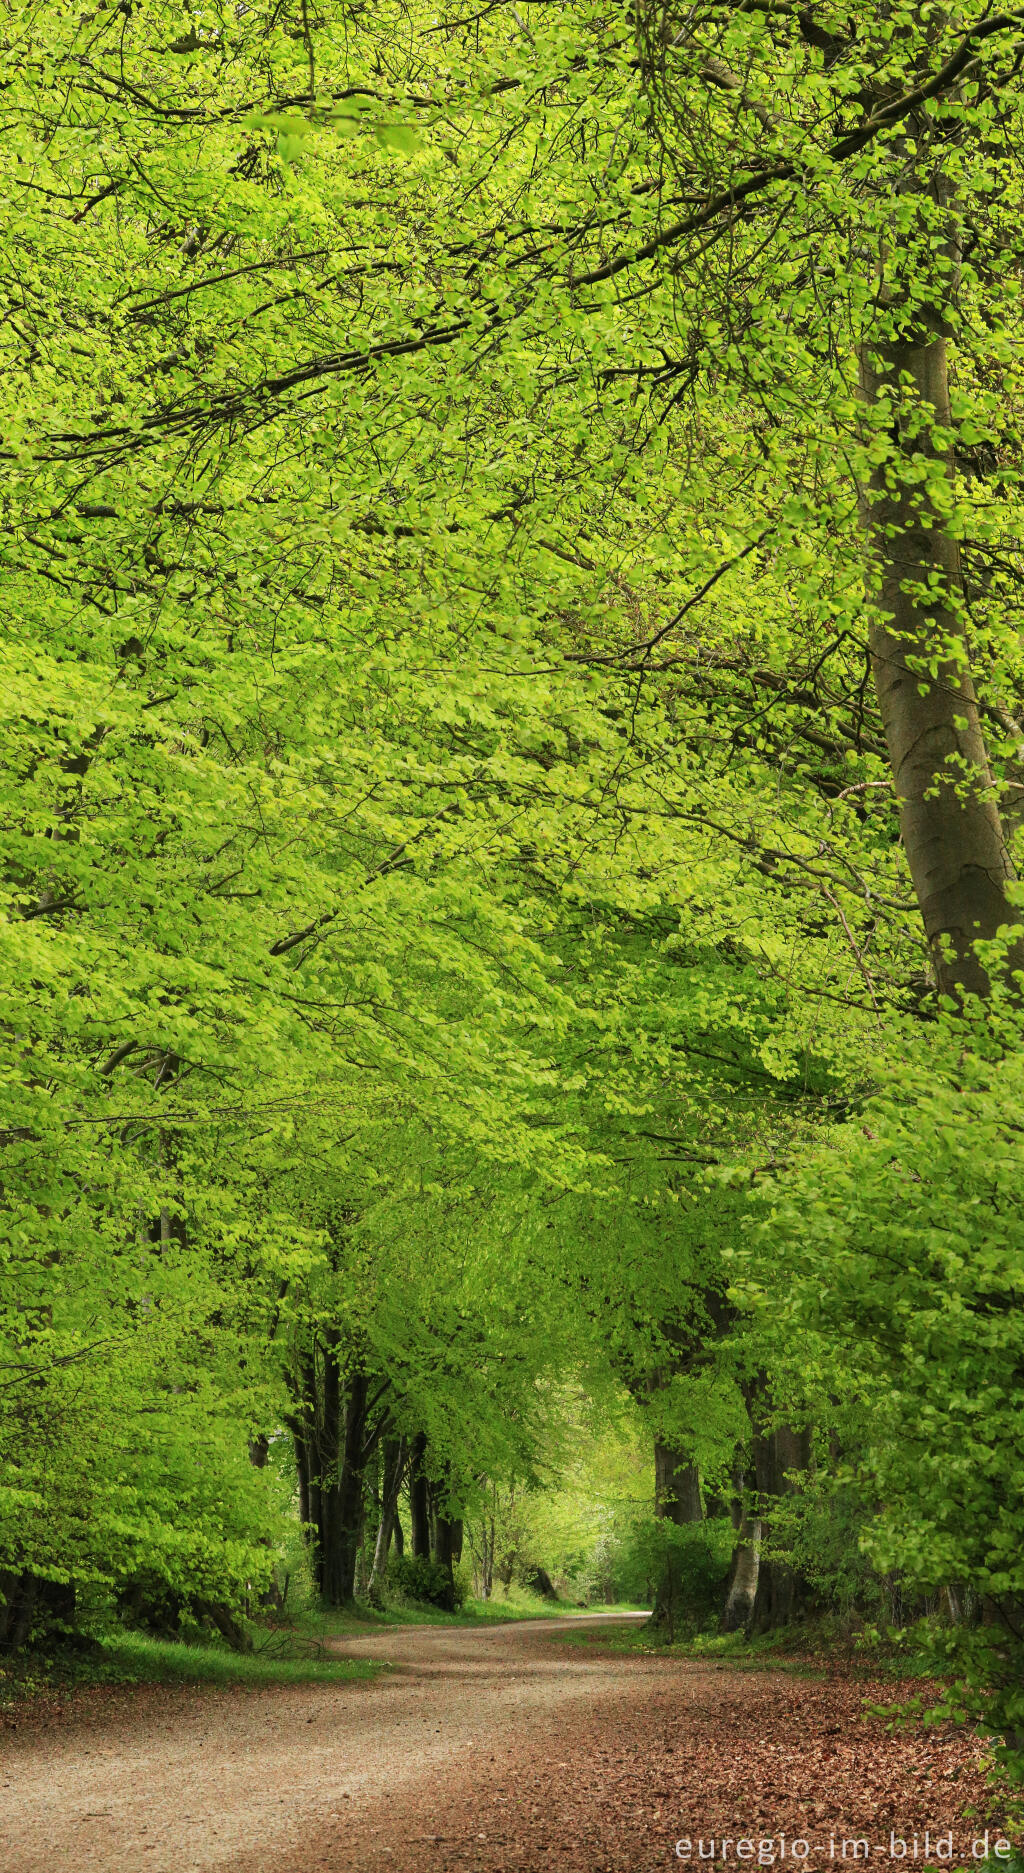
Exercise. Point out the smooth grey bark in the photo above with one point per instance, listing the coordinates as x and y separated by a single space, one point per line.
953 833
741 1593
950 822
395 1457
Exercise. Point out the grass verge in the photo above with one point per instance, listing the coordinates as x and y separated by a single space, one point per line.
806 1651
135 1658
292 1652
520 1604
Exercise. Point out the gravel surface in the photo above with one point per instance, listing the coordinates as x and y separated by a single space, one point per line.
494 1748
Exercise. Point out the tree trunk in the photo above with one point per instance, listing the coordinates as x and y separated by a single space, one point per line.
18 1591
344 1494
445 1553
950 822
485 1577
741 1597
447 1531
394 1469
782 1592
741 1594
303 1427
419 1505
323 1498
676 1501
302 1466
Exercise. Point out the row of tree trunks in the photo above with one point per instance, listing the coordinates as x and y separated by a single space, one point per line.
28 1603
336 1432
436 1535
336 1427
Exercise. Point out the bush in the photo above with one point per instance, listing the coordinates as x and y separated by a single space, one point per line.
415 1577
690 1568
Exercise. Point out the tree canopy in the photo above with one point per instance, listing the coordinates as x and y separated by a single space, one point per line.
515 712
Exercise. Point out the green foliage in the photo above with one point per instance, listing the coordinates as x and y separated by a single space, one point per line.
448 844
690 1566
902 1250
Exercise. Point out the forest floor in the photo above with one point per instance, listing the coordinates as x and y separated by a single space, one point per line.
485 1748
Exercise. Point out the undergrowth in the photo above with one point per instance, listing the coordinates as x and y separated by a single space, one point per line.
292 1650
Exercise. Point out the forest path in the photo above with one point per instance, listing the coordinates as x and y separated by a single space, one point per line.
486 1747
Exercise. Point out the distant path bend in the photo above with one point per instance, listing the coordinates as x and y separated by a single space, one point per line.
490 1747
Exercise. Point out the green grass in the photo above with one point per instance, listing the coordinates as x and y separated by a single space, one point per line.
807 1649
520 1604
782 1651
290 1653
135 1658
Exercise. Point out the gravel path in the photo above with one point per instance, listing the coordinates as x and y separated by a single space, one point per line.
489 1747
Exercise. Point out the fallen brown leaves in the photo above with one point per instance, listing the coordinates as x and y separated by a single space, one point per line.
692 1750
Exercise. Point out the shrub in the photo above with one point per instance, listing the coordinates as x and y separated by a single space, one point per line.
415 1577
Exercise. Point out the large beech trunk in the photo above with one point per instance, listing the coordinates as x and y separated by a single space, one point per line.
780 1456
952 831
677 1500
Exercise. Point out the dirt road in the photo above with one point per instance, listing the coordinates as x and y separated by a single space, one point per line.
486 1748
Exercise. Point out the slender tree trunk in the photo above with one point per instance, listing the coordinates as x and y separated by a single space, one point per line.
394 1468
485 1579
302 1466
741 1594
446 1532
303 1425
344 1496
419 1506
323 1492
